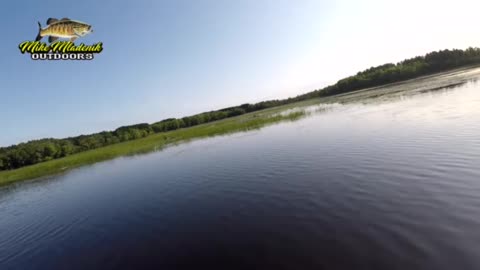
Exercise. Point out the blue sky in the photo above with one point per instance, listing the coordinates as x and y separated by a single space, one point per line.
166 59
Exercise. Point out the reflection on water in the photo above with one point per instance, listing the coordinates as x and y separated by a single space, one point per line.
392 183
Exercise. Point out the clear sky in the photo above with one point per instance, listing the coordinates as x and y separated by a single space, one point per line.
166 59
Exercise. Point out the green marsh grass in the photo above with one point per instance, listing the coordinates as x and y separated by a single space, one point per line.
150 143
254 120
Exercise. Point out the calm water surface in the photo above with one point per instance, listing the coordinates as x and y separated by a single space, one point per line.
392 184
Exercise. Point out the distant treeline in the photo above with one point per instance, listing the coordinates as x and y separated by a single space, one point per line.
36 151
407 69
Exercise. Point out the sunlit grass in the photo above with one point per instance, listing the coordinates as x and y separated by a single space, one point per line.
153 142
254 120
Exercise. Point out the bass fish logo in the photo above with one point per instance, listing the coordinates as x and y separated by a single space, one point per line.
61 50
64 28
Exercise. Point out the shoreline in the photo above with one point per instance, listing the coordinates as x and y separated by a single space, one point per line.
154 142
241 123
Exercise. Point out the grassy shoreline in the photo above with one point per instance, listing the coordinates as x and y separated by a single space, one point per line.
245 122
154 142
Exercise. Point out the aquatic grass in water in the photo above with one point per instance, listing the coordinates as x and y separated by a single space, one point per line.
246 122
151 143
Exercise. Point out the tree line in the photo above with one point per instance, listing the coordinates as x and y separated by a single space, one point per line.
37 151
407 69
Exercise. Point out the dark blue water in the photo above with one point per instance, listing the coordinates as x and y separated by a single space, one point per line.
385 185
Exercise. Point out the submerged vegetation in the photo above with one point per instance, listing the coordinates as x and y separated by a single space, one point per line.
150 143
55 154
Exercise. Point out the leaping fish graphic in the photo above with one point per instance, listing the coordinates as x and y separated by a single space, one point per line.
63 28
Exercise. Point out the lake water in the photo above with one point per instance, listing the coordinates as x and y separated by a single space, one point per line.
393 183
